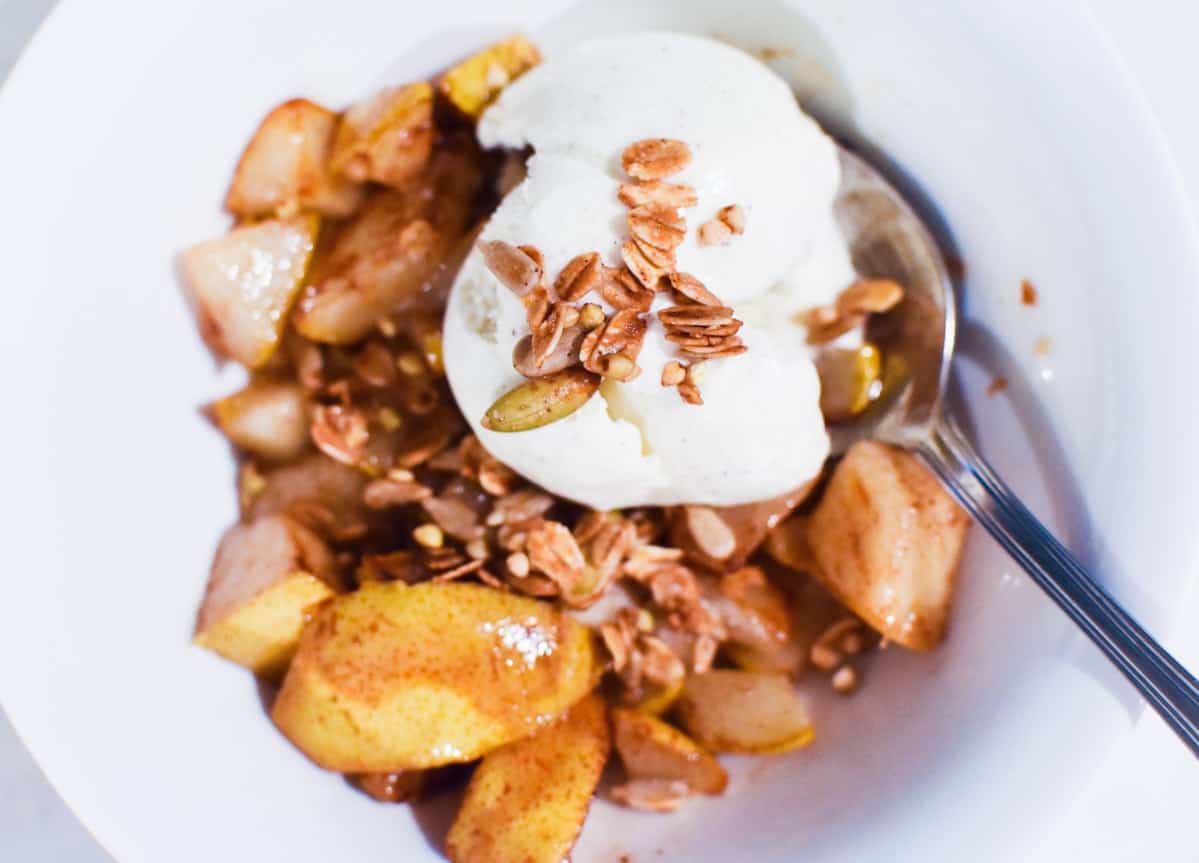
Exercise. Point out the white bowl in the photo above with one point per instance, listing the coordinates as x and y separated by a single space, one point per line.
119 131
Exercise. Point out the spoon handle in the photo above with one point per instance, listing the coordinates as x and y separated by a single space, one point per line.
1165 684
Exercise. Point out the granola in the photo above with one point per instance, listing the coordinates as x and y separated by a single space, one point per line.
687 289
655 158
649 265
727 223
673 374
700 330
622 290
428 535
710 532
591 316
340 432
639 194
455 517
657 226
553 551
578 278
519 507
851 308
548 334
391 491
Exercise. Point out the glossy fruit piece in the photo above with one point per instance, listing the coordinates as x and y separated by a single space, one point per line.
285 167
388 138
475 82
266 418
243 285
652 749
266 578
393 677
527 801
886 539
744 711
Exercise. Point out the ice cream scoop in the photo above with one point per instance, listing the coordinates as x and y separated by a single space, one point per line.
759 431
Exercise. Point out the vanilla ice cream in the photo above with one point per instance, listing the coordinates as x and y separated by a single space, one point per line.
759 431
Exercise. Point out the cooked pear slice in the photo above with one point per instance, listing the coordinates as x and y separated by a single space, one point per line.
754 610
394 253
320 493
285 167
267 418
787 544
744 711
474 83
812 612
723 538
388 138
657 699
886 539
652 749
527 800
243 285
392 677
267 577
788 658
376 264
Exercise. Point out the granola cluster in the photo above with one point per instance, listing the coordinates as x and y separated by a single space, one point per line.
566 330
403 491
849 311
728 223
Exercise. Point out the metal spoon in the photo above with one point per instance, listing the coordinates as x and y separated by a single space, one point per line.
889 240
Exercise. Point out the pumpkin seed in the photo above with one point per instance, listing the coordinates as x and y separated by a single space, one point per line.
541 401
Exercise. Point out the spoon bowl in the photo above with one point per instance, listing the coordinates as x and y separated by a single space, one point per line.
887 239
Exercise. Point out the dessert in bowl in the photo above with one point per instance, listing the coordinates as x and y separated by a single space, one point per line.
144 734
534 482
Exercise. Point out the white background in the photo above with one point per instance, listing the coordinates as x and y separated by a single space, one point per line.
1143 804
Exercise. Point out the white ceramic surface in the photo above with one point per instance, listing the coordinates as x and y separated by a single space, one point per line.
1037 156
